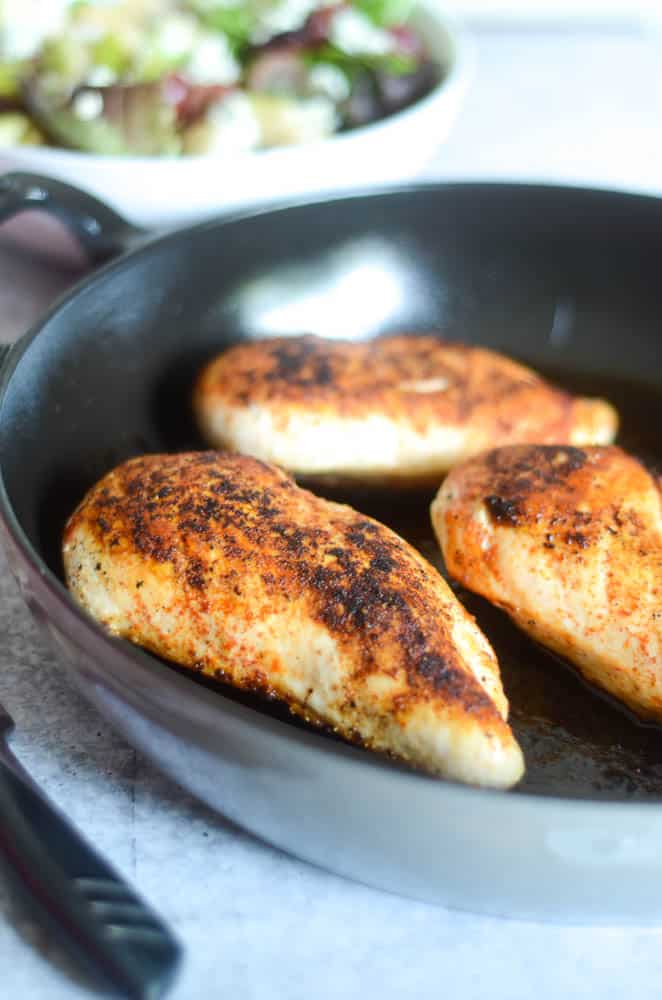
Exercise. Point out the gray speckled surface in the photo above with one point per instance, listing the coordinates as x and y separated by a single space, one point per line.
256 924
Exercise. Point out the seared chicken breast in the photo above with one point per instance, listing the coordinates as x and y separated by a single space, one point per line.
222 564
400 409
569 542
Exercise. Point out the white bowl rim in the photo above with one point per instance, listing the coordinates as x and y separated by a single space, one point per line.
458 72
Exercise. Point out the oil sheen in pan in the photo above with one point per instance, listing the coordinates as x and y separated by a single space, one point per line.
577 742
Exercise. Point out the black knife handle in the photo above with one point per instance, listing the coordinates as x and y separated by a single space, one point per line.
115 936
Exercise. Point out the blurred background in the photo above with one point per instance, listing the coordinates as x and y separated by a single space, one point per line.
564 90
273 100
561 11
171 110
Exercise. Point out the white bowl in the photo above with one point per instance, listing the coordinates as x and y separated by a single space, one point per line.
165 192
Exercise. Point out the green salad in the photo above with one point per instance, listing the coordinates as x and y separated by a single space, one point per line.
159 77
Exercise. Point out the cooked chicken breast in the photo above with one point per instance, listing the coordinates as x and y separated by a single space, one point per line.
404 409
222 564
569 542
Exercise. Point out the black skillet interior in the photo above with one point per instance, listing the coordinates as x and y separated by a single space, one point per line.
565 279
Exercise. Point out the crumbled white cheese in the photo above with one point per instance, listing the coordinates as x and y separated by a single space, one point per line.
212 62
176 35
24 24
276 16
87 105
235 125
287 120
101 76
355 34
327 79
311 119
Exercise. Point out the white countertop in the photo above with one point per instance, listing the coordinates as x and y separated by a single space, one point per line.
576 106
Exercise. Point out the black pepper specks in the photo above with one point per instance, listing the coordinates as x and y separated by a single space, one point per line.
502 510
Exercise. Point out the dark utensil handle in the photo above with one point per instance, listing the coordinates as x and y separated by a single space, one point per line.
101 231
113 933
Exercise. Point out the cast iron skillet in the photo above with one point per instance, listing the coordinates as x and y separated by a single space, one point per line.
564 278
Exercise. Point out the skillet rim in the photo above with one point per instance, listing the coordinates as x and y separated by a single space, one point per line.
353 756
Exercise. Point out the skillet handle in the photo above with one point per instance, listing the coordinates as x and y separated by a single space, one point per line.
101 231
